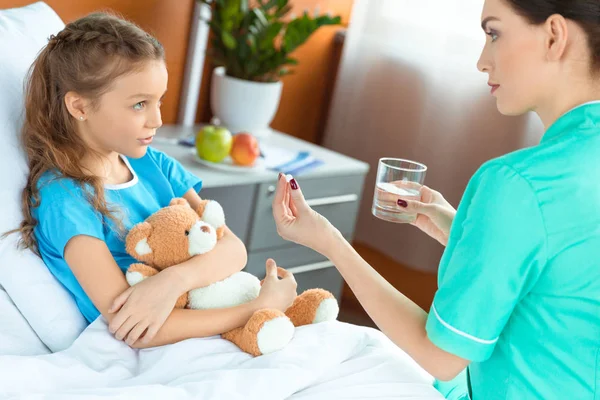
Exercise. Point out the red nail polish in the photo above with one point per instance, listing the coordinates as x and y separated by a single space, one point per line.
402 203
293 184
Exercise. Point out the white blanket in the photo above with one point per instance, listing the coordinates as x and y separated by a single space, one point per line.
330 360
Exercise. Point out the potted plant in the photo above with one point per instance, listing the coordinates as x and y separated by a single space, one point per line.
251 49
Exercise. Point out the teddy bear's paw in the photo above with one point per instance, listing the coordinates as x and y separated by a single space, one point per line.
275 334
313 306
328 310
214 214
138 272
134 278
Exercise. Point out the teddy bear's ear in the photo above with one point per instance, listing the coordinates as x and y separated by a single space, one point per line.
136 242
201 207
212 213
179 201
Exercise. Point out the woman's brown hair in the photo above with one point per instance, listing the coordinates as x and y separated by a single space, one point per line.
586 13
85 57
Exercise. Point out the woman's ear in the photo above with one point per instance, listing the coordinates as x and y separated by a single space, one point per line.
557 36
77 105
136 242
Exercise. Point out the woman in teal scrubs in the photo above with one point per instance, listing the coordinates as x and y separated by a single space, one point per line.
518 301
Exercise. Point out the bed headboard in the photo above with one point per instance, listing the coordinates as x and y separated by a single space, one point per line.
168 20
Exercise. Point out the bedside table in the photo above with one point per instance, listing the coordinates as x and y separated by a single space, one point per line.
333 189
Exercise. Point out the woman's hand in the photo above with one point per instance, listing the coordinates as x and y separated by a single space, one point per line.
277 293
145 306
296 221
434 213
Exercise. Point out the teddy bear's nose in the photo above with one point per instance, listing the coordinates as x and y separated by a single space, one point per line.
205 229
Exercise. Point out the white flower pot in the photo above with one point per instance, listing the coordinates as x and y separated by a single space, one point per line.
242 105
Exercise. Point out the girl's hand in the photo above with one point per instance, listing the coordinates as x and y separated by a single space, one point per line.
274 292
434 213
145 307
296 221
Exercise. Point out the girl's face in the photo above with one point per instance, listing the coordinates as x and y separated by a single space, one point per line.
128 115
514 57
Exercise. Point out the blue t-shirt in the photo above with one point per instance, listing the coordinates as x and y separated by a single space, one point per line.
64 212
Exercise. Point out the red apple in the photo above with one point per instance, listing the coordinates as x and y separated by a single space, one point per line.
244 150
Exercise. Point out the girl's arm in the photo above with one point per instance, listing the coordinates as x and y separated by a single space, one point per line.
102 280
227 258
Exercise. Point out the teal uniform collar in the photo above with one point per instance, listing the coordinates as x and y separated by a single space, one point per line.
584 116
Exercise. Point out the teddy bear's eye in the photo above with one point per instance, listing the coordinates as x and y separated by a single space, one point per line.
187 233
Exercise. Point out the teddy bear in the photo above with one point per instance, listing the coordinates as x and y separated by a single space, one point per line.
177 232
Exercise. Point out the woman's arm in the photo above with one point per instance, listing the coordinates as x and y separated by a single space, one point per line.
102 280
396 315
227 258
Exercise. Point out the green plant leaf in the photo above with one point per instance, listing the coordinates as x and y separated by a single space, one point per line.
245 37
243 50
260 18
282 12
327 20
228 40
270 33
251 39
268 5
301 28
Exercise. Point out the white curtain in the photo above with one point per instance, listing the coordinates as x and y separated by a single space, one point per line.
408 87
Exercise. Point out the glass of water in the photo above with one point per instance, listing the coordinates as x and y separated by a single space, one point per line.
397 179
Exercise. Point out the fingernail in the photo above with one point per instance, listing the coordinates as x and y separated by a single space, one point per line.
279 176
293 184
402 203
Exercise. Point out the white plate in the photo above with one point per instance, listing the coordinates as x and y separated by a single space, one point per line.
228 165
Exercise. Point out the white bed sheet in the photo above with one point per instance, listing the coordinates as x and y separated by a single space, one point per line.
330 360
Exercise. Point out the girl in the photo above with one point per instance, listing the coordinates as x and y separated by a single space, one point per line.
519 282
92 107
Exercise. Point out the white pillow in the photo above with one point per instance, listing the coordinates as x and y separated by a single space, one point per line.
16 336
43 301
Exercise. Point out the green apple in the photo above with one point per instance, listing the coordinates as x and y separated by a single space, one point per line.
213 143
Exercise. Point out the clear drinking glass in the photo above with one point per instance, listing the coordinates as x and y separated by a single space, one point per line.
397 179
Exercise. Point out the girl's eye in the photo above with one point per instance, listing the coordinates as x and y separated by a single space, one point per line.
493 35
139 106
